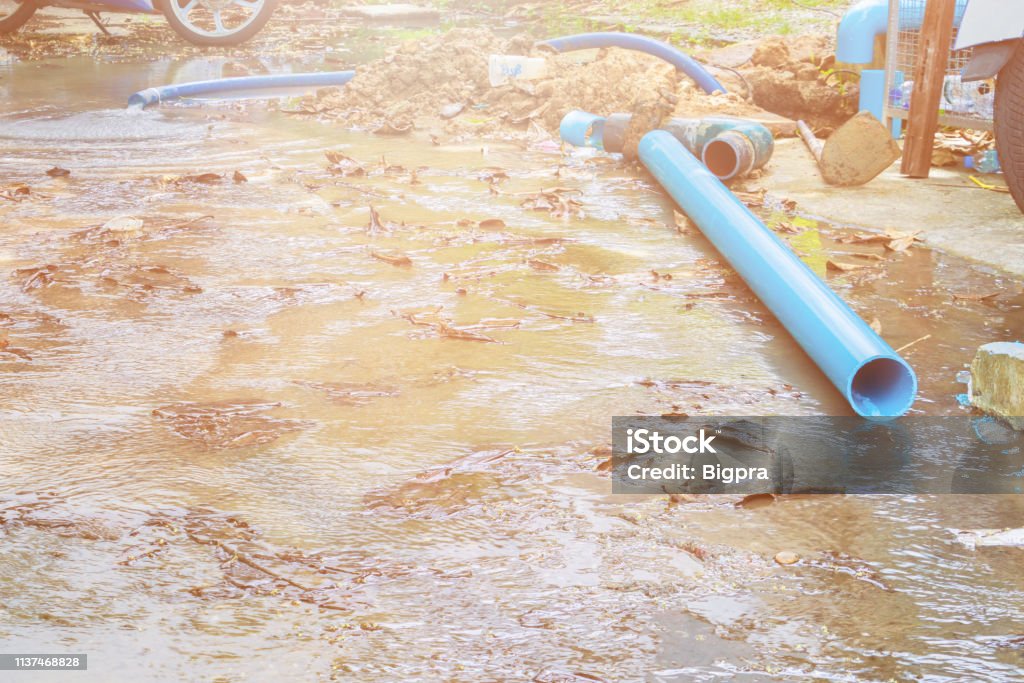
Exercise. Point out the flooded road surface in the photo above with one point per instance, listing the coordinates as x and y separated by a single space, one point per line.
267 416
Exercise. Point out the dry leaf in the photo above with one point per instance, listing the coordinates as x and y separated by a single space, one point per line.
393 257
843 267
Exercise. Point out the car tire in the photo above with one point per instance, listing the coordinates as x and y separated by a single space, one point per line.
1009 123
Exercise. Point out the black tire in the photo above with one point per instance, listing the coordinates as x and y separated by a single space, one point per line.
236 38
1009 123
18 17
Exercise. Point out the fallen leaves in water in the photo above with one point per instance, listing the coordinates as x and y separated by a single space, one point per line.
985 297
36 277
353 393
125 228
193 179
437 491
390 128
847 565
491 224
542 266
393 258
560 202
445 328
892 240
58 172
139 281
840 267
344 165
234 424
17 192
753 198
7 349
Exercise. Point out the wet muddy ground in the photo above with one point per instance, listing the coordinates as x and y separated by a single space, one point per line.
282 401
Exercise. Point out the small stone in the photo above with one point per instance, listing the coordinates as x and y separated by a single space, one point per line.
997 386
786 557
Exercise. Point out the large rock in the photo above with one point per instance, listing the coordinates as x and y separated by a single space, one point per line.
997 374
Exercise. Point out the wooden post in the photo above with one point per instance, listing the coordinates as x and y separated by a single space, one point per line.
929 78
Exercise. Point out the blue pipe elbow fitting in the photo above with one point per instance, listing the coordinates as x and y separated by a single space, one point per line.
860 25
629 41
229 86
874 379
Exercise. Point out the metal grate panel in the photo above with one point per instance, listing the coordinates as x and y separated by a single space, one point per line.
965 105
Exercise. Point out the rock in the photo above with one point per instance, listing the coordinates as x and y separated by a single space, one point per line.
786 557
997 386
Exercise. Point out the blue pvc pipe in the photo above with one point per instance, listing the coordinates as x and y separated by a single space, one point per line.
630 41
227 86
872 92
860 25
871 376
730 147
582 129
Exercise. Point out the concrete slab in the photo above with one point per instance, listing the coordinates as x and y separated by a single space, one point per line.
952 213
392 13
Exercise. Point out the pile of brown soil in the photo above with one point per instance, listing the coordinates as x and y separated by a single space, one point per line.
790 76
441 83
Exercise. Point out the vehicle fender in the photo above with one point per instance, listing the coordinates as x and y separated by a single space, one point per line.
988 60
990 21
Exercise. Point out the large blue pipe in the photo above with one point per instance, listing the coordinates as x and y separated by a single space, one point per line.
630 41
245 84
729 147
871 376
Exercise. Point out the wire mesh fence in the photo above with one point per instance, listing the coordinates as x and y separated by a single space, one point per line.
967 105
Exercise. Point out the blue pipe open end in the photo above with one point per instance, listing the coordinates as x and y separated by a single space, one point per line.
882 388
582 129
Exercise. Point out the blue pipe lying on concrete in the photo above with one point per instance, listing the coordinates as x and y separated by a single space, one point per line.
229 86
630 41
871 376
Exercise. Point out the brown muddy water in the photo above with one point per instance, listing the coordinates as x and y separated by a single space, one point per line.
268 435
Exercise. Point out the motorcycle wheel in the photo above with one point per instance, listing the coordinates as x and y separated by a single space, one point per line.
14 14
212 23
1009 124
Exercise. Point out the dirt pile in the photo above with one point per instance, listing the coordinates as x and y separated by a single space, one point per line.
441 83
793 78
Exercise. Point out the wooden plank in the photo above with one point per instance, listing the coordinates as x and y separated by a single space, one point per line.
929 76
